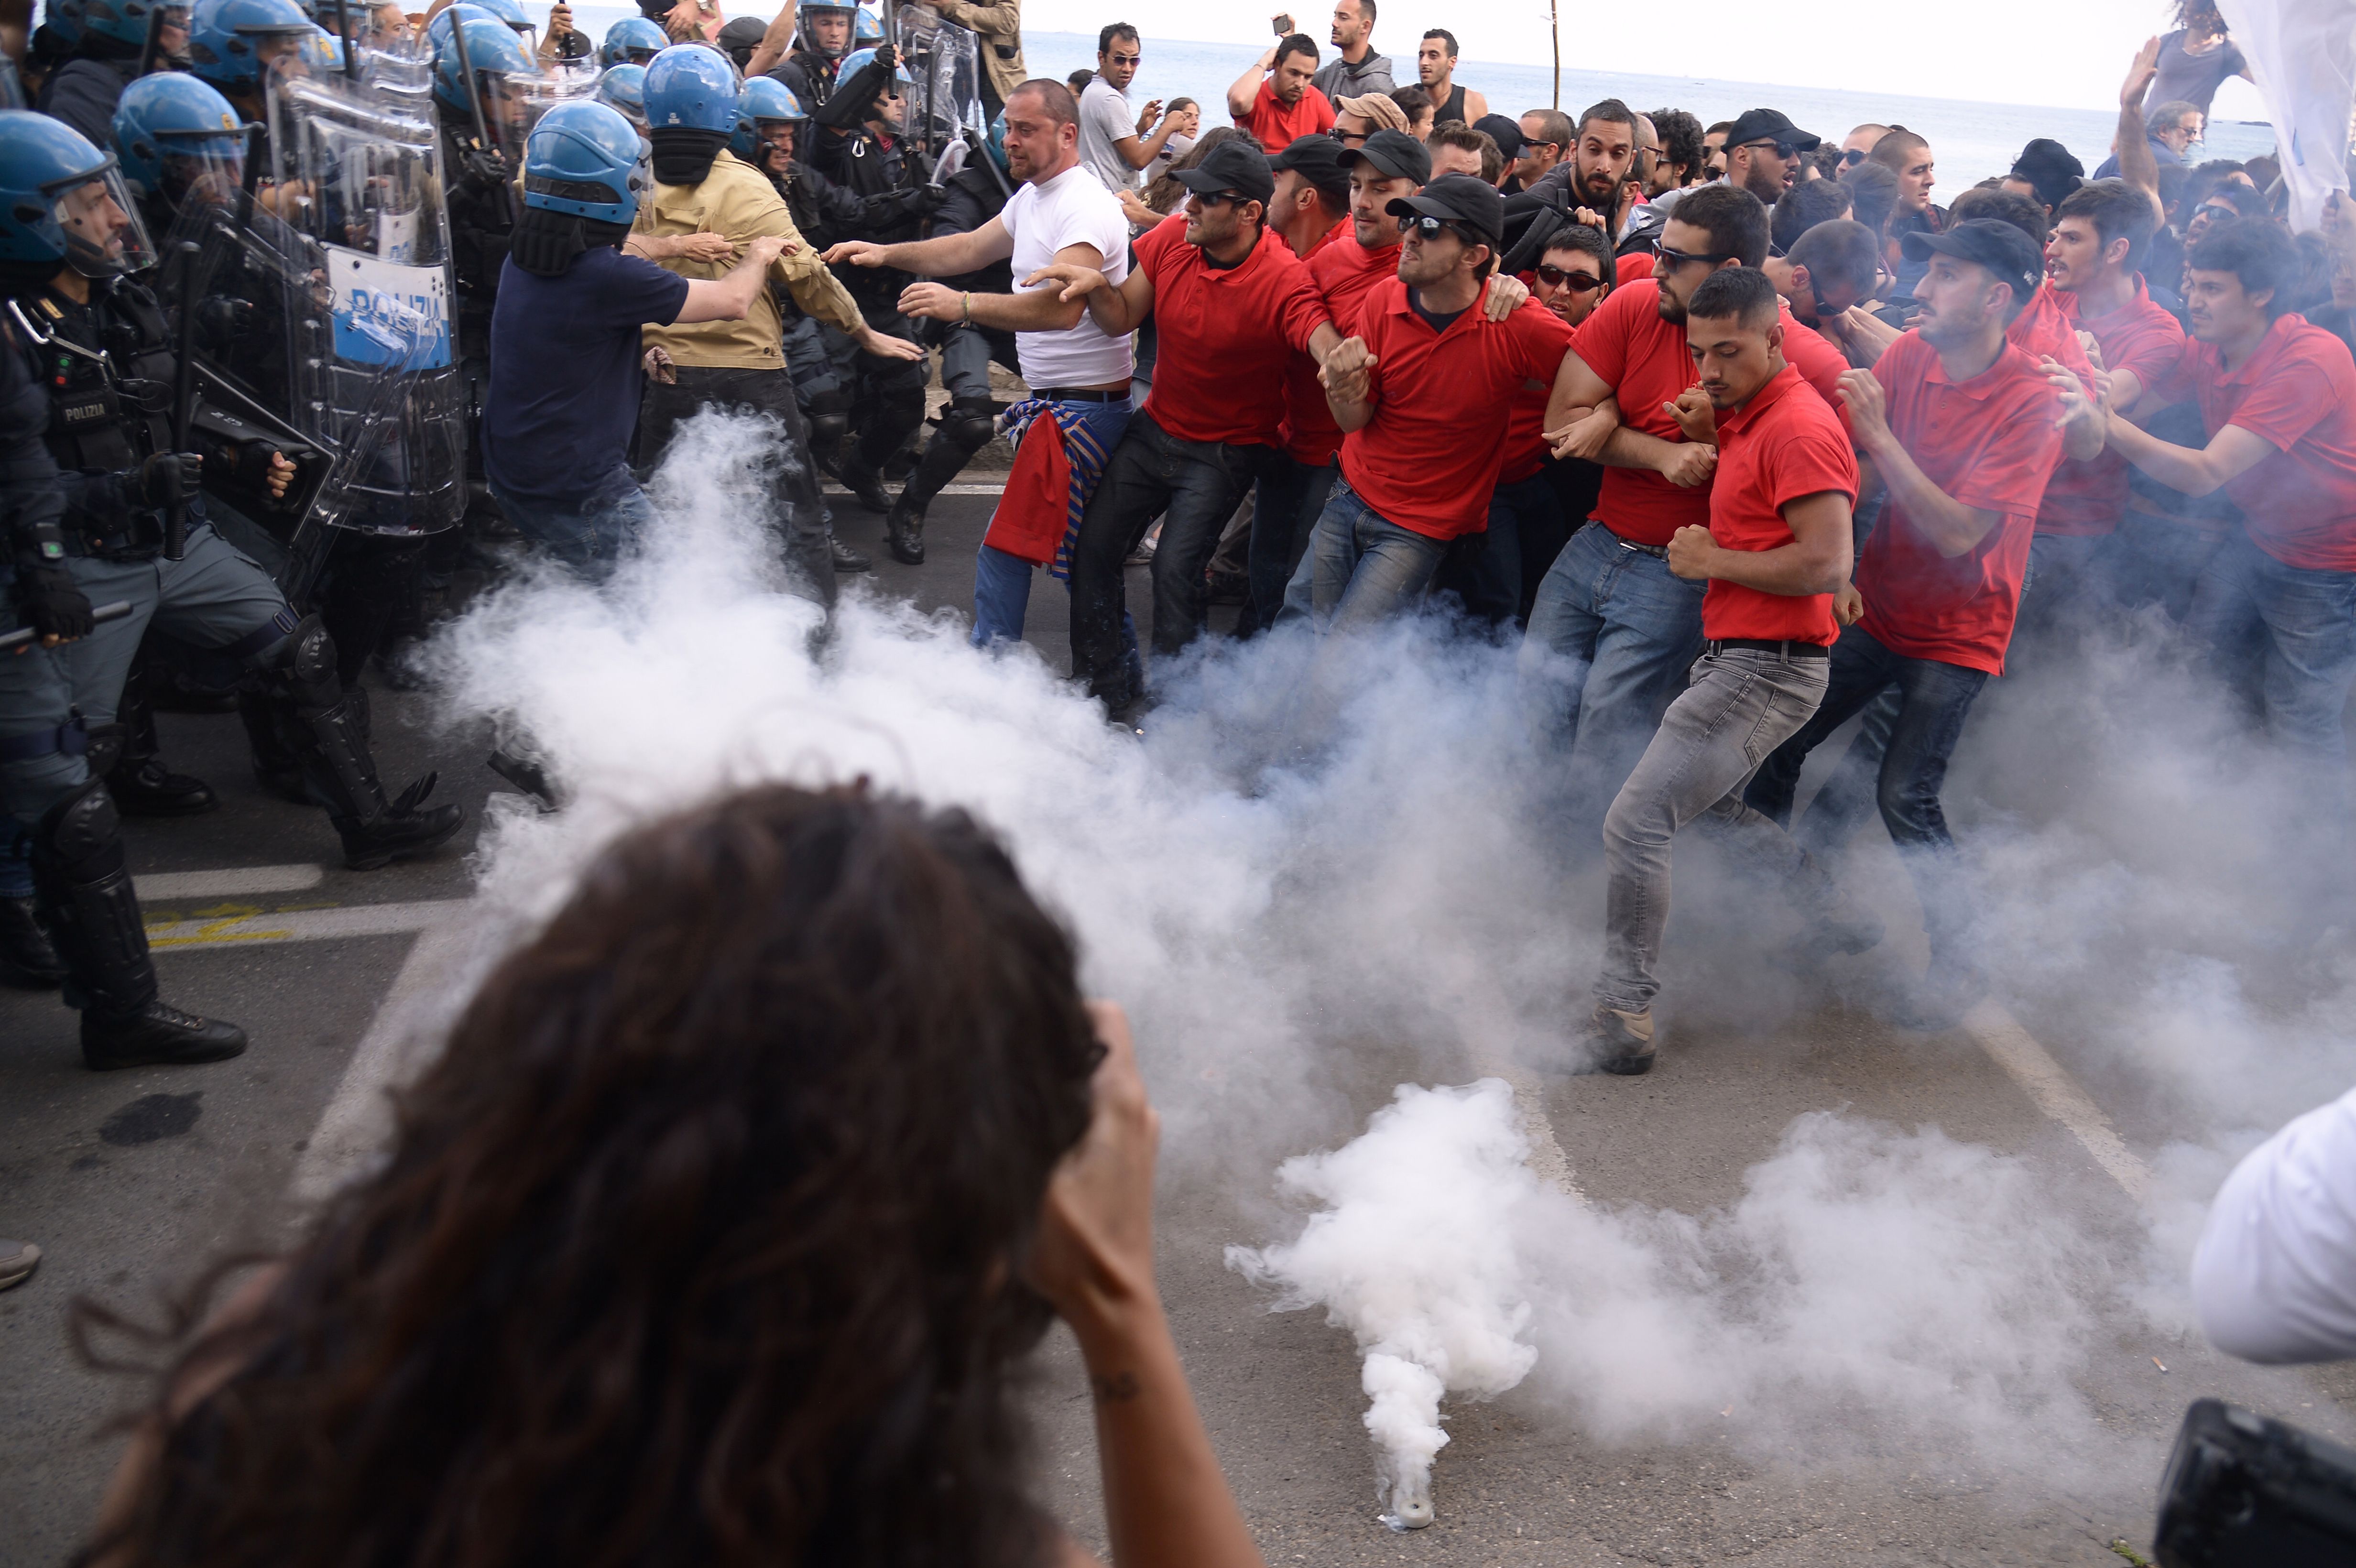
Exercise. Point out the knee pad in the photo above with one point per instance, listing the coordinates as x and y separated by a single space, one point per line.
970 422
106 742
828 428
305 663
79 832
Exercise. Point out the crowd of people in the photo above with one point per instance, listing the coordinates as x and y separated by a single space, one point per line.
1740 432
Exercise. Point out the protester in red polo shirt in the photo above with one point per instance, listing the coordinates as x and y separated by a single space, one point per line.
1386 166
1965 431
1775 547
1274 99
2277 396
1613 631
1231 303
2099 234
1421 391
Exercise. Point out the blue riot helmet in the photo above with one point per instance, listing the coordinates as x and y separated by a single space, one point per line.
508 11
437 31
624 88
633 40
901 85
825 45
503 71
62 17
866 28
127 21
231 41
322 53
173 132
585 159
64 203
694 86
764 101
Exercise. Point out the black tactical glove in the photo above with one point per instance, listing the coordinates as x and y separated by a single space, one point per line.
887 56
480 170
168 476
48 601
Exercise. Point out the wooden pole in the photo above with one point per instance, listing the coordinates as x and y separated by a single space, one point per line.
1554 25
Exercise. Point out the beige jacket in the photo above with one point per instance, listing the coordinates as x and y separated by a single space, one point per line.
736 199
1001 29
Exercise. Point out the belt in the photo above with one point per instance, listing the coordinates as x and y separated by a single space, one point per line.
1658 552
1718 645
1073 395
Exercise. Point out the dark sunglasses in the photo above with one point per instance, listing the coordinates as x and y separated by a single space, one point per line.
1679 258
1784 150
1219 198
1853 157
1555 277
1429 226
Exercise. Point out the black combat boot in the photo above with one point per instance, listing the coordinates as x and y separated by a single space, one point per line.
326 726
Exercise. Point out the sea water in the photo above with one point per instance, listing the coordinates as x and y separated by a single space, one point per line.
1970 142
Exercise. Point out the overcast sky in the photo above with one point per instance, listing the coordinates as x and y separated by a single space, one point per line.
2066 52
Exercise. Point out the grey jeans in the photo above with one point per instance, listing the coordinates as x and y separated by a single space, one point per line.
1740 704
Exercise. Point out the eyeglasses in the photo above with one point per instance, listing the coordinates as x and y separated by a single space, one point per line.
1556 277
1784 150
1679 258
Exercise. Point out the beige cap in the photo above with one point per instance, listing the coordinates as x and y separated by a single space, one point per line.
1375 108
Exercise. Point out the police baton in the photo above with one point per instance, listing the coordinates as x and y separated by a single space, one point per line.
23 634
184 398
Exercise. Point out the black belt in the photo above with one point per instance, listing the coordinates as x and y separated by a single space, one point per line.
1761 645
1658 552
1073 395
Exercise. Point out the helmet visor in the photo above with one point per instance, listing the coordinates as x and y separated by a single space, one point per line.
201 168
514 104
105 237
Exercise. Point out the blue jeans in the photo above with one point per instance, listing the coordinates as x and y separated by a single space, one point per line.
1002 583
2286 638
1497 573
1934 700
1612 632
1365 568
1285 509
1194 487
586 535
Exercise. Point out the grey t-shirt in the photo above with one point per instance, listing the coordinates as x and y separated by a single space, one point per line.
1339 79
2192 78
1106 119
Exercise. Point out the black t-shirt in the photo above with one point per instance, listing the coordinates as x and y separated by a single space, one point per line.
566 377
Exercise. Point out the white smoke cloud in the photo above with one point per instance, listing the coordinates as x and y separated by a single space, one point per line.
1410 904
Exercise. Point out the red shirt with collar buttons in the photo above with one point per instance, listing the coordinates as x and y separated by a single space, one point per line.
1782 445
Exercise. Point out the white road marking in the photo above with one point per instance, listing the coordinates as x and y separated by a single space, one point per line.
157 887
234 924
2056 1093
997 489
401 1040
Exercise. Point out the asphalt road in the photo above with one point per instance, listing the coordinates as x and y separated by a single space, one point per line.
133 1182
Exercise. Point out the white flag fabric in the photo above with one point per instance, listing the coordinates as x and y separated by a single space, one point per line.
2303 55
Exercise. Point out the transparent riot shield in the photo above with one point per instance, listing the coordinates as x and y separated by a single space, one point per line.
360 239
946 61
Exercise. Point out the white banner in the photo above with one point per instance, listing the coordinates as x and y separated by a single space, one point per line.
2303 55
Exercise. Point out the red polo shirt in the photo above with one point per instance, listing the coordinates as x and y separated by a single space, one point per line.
1427 461
1990 444
1782 445
2044 328
1644 361
2299 391
1345 273
1277 125
2088 499
1225 335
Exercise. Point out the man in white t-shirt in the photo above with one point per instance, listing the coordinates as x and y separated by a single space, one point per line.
1061 215
2275 1279
1116 142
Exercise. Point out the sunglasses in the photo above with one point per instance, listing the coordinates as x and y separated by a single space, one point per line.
1428 225
1219 199
1556 277
1784 150
1853 157
1680 258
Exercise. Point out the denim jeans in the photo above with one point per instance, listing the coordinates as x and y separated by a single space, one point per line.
1193 487
2285 637
1365 568
1612 633
1934 700
588 535
1002 583
1743 704
1285 510
2153 561
1495 574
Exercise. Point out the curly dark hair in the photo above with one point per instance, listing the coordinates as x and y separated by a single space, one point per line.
699 1244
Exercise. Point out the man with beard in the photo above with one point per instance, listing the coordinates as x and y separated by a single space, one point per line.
1275 101
1435 71
1422 389
1762 153
1612 630
1773 551
1356 69
1594 173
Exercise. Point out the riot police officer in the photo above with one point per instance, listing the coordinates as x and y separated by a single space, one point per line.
976 193
233 43
858 145
822 39
113 49
172 135
134 528
633 40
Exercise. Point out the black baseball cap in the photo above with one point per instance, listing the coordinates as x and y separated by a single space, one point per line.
1462 199
1235 165
1319 160
1999 247
1396 153
1770 125
1505 132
